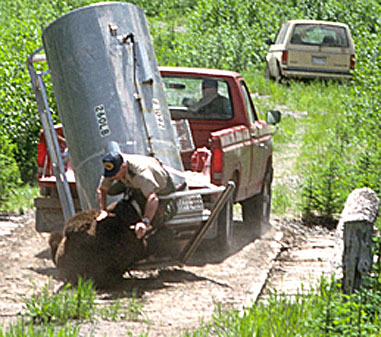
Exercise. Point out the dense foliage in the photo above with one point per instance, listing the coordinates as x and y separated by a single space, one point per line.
350 154
226 34
231 34
21 23
10 177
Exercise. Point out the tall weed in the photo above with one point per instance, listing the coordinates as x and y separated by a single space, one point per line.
69 303
22 329
320 311
128 310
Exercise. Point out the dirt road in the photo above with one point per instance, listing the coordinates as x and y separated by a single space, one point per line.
179 298
174 299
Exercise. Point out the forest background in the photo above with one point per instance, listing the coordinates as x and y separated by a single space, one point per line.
226 34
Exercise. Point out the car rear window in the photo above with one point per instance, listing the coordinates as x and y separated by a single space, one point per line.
320 35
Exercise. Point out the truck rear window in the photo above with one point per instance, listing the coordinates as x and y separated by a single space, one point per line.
198 98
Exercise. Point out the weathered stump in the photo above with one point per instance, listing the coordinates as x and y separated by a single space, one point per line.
355 231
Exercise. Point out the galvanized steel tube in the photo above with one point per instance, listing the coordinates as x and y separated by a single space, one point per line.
108 88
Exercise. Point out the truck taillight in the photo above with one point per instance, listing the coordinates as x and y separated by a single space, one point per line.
217 165
284 56
352 65
41 154
201 160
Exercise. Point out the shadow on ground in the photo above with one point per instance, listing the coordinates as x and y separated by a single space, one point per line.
136 283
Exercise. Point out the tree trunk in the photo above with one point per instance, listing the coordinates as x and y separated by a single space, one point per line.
355 232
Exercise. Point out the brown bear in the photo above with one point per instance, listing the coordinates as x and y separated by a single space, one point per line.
101 251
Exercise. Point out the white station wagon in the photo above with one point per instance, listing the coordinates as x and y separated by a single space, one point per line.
310 49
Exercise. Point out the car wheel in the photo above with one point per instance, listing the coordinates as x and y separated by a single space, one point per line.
277 76
256 210
267 73
225 226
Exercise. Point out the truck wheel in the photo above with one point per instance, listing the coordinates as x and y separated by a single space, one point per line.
256 210
225 226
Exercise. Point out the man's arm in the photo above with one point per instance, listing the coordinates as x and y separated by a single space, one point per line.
102 201
102 197
151 206
150 209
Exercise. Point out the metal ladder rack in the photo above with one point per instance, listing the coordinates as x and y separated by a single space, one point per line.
54 150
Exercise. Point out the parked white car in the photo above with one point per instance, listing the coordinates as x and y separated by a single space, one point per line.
310 49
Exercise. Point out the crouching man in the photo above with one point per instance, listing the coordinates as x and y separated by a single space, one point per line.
144 179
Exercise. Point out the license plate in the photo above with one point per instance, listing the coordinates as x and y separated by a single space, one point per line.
318 60
190 204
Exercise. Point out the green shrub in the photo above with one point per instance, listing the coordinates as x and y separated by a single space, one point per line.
164 8
10 176
228 34
21 23
350 153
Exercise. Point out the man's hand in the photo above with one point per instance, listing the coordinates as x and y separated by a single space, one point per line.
102 215
140 229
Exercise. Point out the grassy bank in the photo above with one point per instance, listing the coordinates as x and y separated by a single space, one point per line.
310 114
322 311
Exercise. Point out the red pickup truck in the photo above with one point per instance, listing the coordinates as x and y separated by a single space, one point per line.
229 143
238 143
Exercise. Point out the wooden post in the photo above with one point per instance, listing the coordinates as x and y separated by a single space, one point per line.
356 230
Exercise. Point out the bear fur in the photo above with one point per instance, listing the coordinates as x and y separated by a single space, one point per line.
102 251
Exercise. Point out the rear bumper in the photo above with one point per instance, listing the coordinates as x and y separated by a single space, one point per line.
292 72
49 215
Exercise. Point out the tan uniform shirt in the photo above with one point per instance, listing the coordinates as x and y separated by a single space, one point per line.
143 172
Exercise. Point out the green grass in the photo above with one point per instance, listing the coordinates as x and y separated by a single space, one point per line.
68 304
283 200
130 309
311 115
321 311
20 200
49 313
22 329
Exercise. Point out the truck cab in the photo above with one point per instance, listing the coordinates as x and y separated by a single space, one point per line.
240 144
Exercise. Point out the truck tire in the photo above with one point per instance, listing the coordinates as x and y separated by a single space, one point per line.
256 210
225 226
